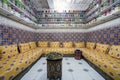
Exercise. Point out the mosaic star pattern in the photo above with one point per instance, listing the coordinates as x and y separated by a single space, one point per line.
106 36
61 37
10 35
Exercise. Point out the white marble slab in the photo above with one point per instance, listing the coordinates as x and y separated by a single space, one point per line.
81 70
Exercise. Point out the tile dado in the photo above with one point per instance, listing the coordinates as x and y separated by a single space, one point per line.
107 36
10 35
62 37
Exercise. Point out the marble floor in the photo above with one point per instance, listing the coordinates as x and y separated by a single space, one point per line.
71 70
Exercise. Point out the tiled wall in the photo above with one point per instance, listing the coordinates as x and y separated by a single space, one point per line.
107 36
10 35
0 35
62 37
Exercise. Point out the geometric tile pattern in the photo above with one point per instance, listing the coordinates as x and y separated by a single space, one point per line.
10 35
74 71
106 36
61 37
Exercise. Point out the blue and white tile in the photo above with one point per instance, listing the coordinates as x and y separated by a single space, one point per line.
71 70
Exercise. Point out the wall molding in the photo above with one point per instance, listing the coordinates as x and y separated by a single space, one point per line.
60 30
14 24
108 24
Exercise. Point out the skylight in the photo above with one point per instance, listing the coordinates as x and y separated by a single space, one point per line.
61 5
